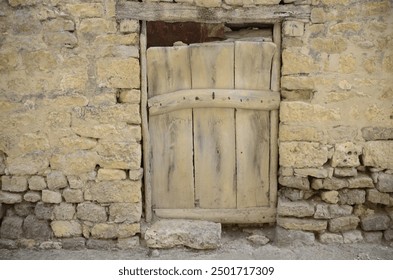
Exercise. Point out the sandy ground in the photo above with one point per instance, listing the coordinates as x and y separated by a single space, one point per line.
234 246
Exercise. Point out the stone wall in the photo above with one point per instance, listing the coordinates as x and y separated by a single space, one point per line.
70 143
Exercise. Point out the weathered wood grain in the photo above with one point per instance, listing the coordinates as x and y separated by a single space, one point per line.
175 12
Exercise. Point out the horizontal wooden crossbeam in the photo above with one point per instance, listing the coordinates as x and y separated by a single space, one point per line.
175 12
214 98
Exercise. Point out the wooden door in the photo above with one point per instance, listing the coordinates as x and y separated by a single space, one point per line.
210 124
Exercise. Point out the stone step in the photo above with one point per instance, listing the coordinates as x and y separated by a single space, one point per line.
178 232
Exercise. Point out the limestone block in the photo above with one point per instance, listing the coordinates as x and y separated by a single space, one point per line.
346 155
125 212
119 155
128 243
114 191
111 174
377 221
14 183
51 196
85 10
377 133
385 182
297 111
388 235
37 183
362 181
43 211
374 196
76 182
294 182
23 3
75 163
286 237
61 39
95 26
345 172
352 197
295 209
100 244
124 112
66 228
208 3
118 73
302 154
353 236
340 210
64 211
342 224
293 28
11 227
117 39
330 197
136 175
330 45
24 209
378 154
291 194
109 231
56 180
129 26
2 210
295 62
373 236
76 243
36 229
73 195
29 164
313 172
302 224
59 24
299 133
285 171
32 196
91 212
193 234
332 184
43 61
132 96
10 198
330 238
70 144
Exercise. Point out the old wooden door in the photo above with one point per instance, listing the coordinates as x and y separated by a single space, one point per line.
210 128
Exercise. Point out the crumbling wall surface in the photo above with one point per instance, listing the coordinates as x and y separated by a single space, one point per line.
336 124
70 152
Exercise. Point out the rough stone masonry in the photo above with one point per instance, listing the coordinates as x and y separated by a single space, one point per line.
70 142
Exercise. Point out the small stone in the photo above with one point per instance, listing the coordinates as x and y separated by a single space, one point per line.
342 224
329 238
332 184
32 196
128 243
346 155
352 197
291 194
10 198
294 182
313 172
111 174
378 154
385 183
302 224
64 211
353 236
286 171
37 183
130 96
76 182
257 239
190 233
91 212
73 195
24 209
375 222
14 183
293 28
36 229
345 172
360 182
56 180
66 228
373 236
155 253
11 227
295 209
286 237
129 26
330 197
51 196
27 243
377 133
49 245
136 175
43 211
77 243
374 196
125 212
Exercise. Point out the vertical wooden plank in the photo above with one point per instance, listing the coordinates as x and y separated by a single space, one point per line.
168 69
252 148
212 65
145 128
273 157
172 161
215 166
276 67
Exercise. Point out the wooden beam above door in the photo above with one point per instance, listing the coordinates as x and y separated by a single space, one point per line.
175 12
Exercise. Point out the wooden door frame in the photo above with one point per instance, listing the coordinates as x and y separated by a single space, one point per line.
273 160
